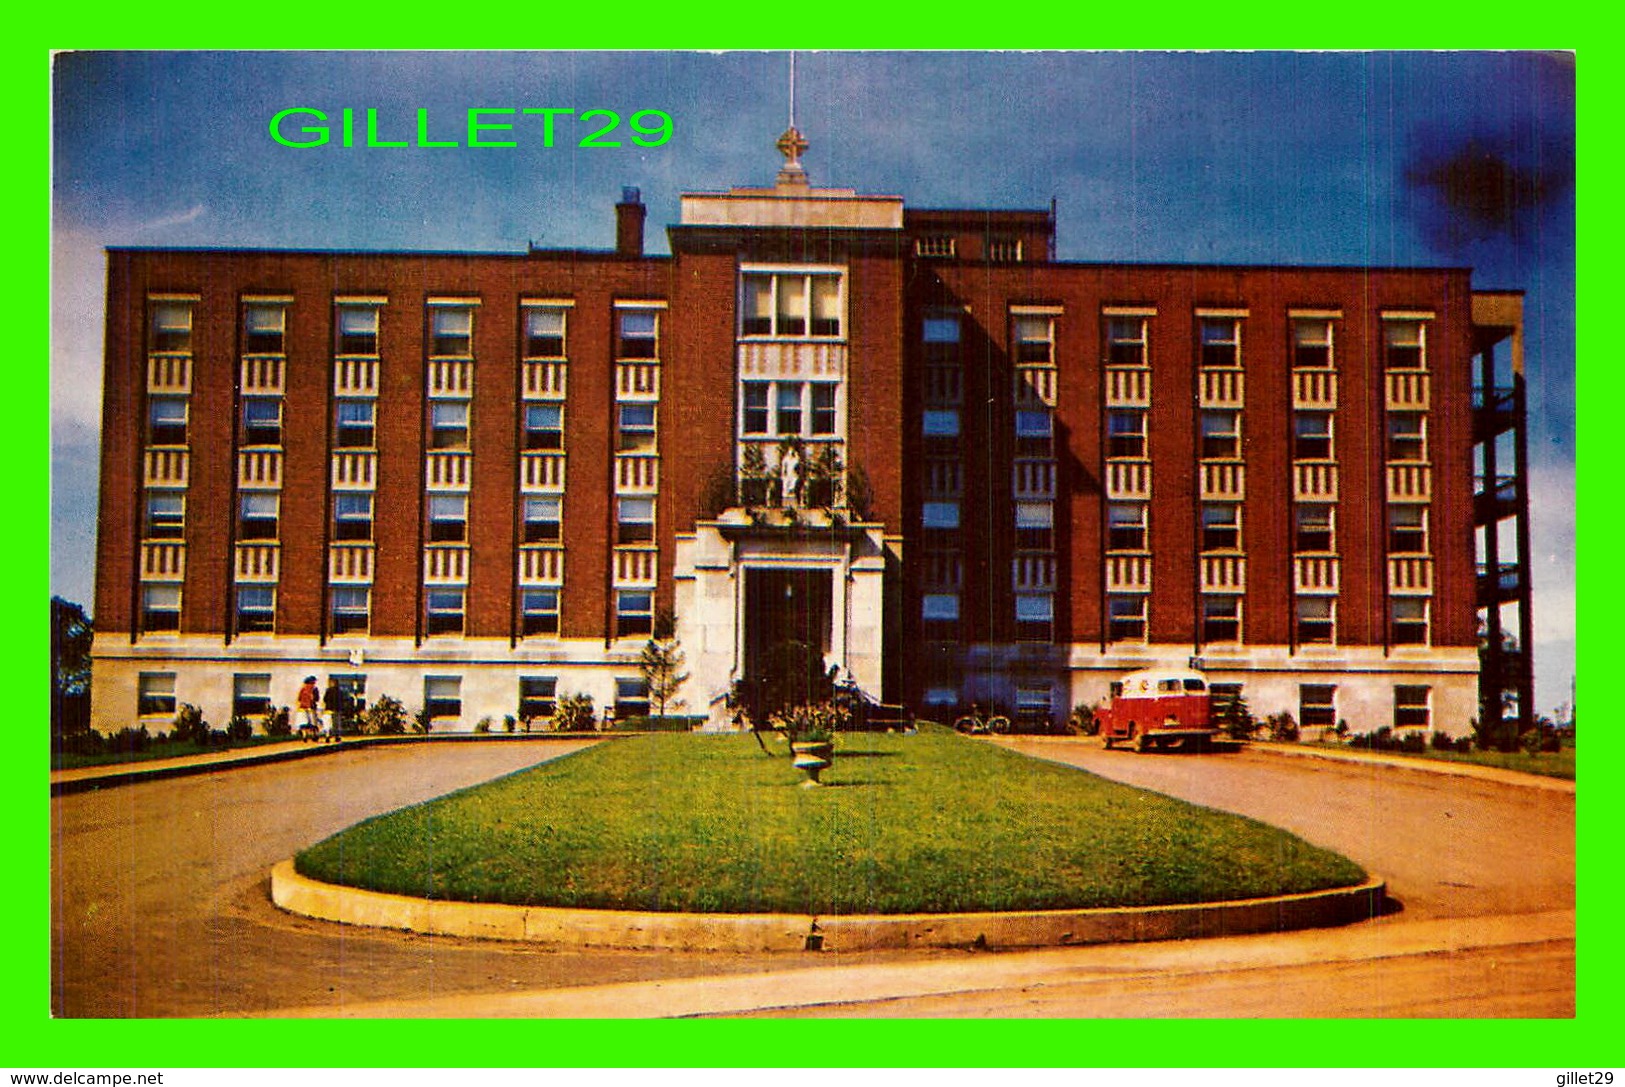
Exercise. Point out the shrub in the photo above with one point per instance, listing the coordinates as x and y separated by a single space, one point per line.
129 741
1413 743
1082 719
80 742
509 724
276 722
1443 742
575 713
482 726
385 717
240 728
423 722
1230 712
1283 728
189 726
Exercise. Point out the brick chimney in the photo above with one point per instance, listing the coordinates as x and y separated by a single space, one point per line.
629 215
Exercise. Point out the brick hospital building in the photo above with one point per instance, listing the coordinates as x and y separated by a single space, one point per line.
967 470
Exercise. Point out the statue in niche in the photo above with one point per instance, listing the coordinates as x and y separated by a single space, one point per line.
789 477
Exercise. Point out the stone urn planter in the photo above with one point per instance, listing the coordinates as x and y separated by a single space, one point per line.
812 759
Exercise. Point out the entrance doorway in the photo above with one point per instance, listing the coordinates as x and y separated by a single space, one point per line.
784 608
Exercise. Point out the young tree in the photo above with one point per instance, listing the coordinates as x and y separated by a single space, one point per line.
662 662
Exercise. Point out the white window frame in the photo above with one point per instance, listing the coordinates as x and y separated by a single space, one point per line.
542 510
784 283
1304 330
155 696
343 611
440 509
1116 616
263 614
437 610
451 321
265 318
1328 620
1413 697
170 595
439 692
1409 622
1221 608
179 330
1219 331
365 314
534 314
640 616
531 601
164 524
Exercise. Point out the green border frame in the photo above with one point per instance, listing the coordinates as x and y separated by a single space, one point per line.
1588 1041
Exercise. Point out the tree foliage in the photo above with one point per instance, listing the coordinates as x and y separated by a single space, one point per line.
662 663
71 635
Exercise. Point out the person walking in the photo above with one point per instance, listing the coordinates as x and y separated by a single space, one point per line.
310 712
334 708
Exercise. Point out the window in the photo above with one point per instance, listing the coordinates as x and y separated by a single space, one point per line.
1003 249
939 515
1312 343
1410 620
256 609
1411 707
166 515
631 697
1221 618
1221 342
634 520
1127 616
351 605
755 411
1126 526
940 334
639 334
1035 340
263 329
353 684
448 424
1034 703
1125 341
940 607
155 694
1221 435
1221 526
358 330
1035 616
448 518
1405 345
636 432
1125 433
1312 435
1407 436
544 426
1317 620
790 305
542 516
934 245
940 423
788 403
353 421
823 407
944 478
160 607
258 520
544 333
942 697
250 695
1034 430
1407 530
171 329
166 420
1317 705
1035 526
262 420
443 697
451 331
634 612
539 611
1313 528
352 515
538 696
444 611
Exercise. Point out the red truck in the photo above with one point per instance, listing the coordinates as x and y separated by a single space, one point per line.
1160 708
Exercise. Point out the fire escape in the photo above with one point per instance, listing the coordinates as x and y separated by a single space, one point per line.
1501 513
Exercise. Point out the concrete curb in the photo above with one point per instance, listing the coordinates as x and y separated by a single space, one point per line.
804 932
1496 774
87 779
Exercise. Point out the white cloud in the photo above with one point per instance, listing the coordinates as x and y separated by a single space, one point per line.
79 276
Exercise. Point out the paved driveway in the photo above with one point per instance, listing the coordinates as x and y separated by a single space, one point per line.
160 909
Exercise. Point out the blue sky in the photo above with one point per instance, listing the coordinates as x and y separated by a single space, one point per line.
1313 158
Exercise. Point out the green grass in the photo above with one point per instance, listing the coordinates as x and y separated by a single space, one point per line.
68 761
931 822
1553 764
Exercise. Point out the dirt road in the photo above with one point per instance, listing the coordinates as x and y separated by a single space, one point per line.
160 909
